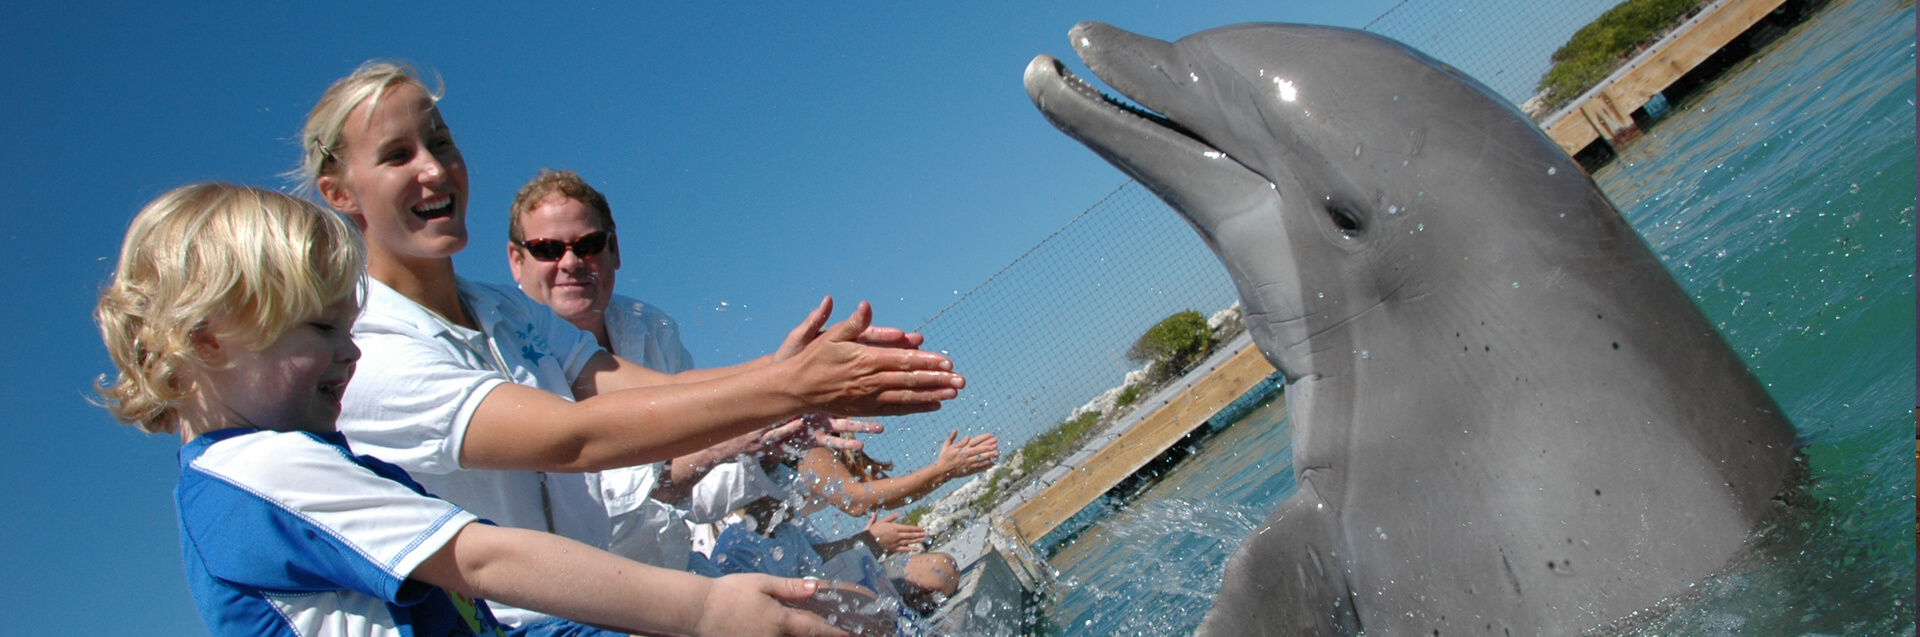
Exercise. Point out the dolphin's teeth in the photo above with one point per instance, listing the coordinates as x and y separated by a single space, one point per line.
1083 87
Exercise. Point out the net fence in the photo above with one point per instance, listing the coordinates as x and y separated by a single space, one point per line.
1504 44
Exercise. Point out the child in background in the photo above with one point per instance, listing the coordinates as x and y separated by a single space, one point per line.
229 319
856 483
780 541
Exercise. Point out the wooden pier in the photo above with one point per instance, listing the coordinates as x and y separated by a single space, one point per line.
1605 113
1140 445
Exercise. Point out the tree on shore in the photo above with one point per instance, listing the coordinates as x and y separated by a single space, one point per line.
1173 344
1596 49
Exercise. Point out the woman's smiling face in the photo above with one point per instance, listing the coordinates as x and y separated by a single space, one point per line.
400 177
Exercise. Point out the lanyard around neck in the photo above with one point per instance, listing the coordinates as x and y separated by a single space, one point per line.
489 355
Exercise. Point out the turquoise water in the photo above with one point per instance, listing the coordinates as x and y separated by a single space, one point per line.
1782 196
1152 567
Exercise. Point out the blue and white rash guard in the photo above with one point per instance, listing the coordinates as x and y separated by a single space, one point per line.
292 534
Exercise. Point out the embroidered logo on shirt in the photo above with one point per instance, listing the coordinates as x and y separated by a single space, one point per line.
533 345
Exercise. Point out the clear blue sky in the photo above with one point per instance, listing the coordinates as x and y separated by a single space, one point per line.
758 156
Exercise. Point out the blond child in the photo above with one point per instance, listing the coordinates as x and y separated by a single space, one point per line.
230 320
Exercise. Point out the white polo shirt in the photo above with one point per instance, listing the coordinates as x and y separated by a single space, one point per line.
645 529
643 334
419 380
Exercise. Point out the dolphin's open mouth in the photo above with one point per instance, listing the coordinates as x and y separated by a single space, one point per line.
1084 89
1235 209
1049 79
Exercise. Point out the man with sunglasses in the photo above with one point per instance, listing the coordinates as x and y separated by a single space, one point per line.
563 250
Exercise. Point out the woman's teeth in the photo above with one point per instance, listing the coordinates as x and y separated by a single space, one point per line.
436 208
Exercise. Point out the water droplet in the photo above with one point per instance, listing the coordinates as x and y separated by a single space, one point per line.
1365 354
1393 210
1552 170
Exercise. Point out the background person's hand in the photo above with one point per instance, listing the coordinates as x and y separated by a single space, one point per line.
967 456
893 536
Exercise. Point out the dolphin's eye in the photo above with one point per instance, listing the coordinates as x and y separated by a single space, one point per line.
1343 218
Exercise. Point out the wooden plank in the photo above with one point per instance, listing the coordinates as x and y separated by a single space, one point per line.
1659 68
1139 446
1607 111
1573 132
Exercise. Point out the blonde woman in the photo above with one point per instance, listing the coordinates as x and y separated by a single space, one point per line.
494 403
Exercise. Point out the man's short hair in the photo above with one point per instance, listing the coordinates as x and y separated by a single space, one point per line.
551 182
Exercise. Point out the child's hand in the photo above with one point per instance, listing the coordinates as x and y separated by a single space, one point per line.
753 604
852 608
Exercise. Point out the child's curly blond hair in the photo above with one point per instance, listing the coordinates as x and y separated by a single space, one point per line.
257 260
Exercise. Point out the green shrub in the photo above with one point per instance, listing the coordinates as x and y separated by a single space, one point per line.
1592 52
1044 448
1173 344
1127 396
987 496
913 517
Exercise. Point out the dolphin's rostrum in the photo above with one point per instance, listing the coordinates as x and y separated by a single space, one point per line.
1508 418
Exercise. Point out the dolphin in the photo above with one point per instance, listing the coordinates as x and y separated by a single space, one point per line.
1508 418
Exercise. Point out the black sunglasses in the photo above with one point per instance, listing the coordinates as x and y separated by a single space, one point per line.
586 246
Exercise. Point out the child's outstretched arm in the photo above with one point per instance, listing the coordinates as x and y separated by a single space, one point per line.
959 457
561 577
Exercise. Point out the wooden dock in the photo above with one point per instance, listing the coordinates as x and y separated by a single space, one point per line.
1605 113
1139 445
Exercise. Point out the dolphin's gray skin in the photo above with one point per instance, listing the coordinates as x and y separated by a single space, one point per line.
1508 418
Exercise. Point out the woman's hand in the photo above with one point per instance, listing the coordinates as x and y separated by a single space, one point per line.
837 373
809 329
